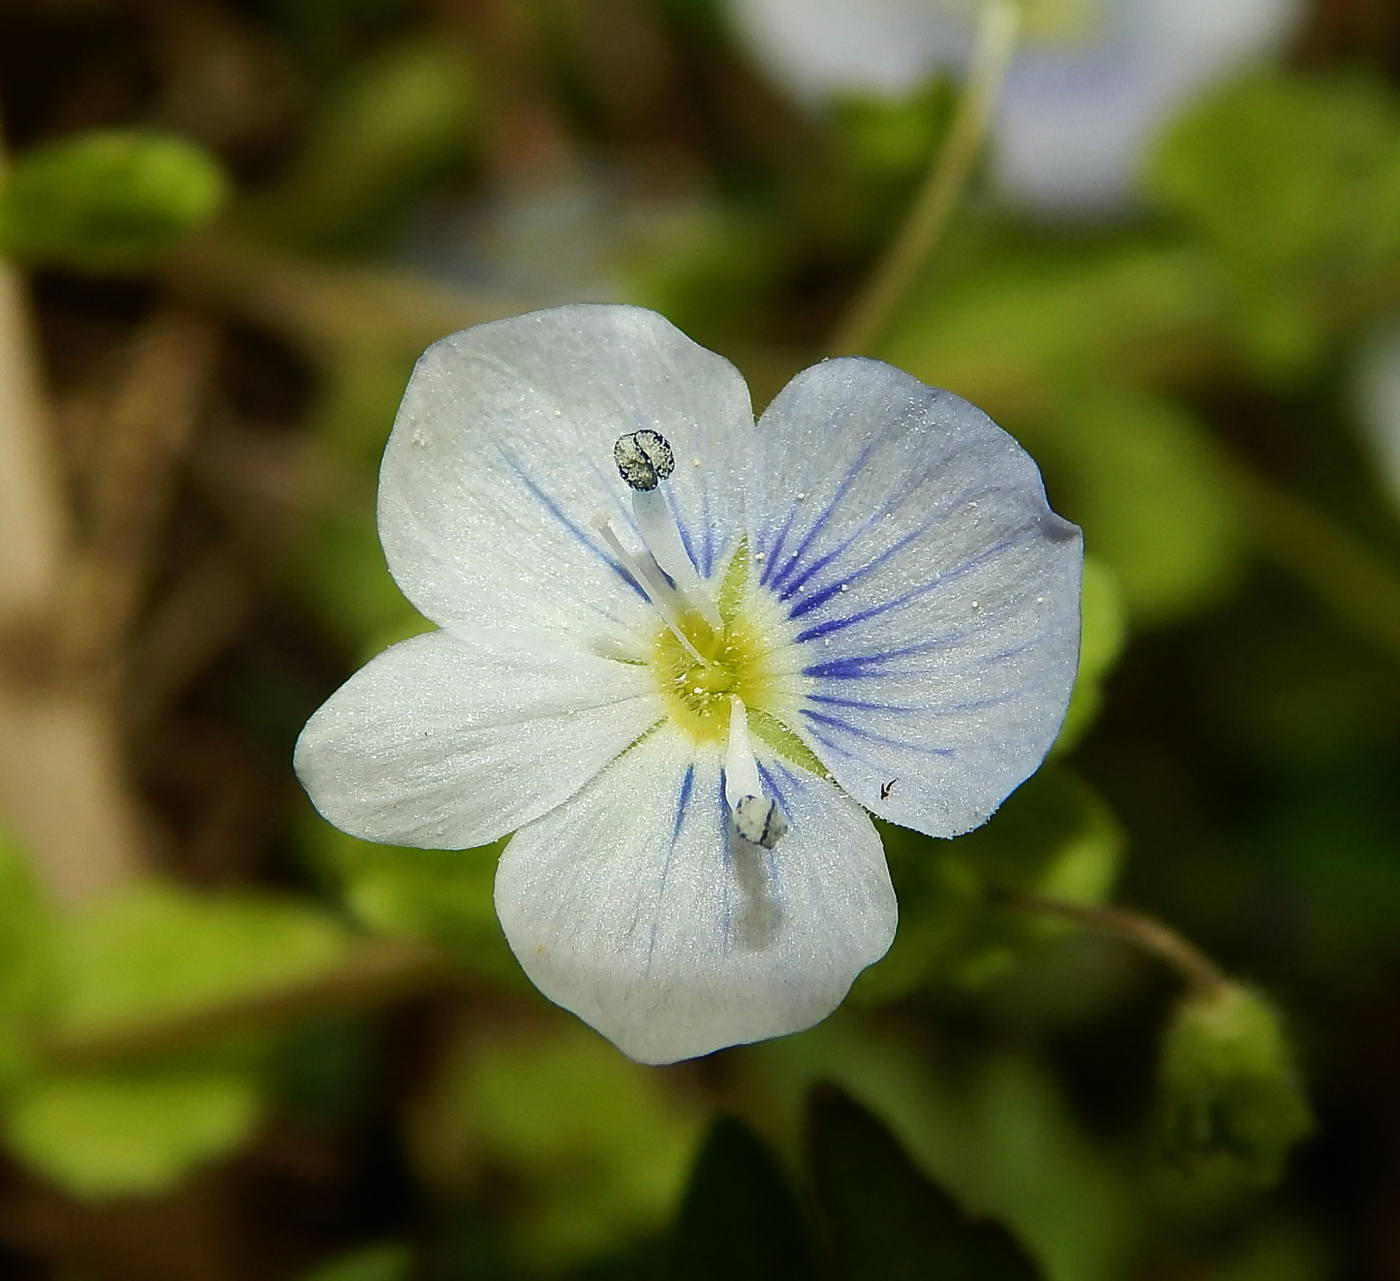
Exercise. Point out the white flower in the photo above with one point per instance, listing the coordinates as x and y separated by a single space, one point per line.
866 605
1094 83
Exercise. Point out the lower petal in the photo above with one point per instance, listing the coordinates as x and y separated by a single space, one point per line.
637 907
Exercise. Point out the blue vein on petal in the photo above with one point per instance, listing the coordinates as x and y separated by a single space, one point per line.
772 577
852 667
580 537
869 736
682 801
821 596
874 611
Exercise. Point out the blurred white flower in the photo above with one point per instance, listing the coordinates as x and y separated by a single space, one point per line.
1093 83
681 656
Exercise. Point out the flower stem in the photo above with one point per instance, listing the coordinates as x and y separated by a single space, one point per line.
947 177
1193 965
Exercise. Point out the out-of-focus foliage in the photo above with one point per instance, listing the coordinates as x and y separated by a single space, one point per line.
110 201
1228 762
1230 1084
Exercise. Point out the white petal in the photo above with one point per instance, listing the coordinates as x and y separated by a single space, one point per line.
500 464
448 743
823 47
634 905
933 593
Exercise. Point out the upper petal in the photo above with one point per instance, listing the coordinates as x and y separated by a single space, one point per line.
500 465
934 595
635 906
448 743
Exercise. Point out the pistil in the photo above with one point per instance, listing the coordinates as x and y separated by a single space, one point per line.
757 818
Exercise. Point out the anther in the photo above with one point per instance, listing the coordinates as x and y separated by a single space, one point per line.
644 459
759 820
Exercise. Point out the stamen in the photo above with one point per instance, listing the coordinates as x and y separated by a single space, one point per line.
757 818
644 459
661 594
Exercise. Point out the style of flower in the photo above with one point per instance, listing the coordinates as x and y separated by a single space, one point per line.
1095 81
680 657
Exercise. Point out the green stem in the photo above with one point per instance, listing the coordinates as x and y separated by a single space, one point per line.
946 180
1193 965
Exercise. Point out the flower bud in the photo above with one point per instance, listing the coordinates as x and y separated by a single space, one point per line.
1230 1087
108 201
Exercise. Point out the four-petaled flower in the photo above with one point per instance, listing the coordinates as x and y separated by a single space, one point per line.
681 656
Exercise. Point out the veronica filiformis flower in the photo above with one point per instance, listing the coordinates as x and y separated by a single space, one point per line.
1092 87
681 656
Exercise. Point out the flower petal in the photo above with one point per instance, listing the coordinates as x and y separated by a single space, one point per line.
934 594
446 743
500 465
635 906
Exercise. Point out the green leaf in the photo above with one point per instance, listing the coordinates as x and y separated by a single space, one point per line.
1054 835
401 120
594 1146
375 1263
156 950
740 1218
435 896
128 1133
28 957
109 201
1293 181
885 1219
1153 496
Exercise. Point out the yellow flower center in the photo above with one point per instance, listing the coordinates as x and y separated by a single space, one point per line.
697 692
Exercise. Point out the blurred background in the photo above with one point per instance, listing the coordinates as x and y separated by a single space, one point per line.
237 1044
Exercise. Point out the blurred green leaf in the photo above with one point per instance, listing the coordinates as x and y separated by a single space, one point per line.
1103 633
740 1218
594 1146
1230 1087
1054 835
1012 327
374 1263
1294 181
129 1133
108 201
401 119
157 950
28 961
1153 496
885 1218
436 896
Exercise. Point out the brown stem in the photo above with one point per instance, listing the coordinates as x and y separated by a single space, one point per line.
1193 965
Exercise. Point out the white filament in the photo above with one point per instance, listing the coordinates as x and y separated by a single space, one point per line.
757 818
669 603
663 540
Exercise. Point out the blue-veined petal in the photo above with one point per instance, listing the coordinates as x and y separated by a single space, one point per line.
449 742
634 905
934 594
500 465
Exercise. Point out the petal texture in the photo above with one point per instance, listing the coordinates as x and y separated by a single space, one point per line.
934 594
447 743
500 466
636 907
